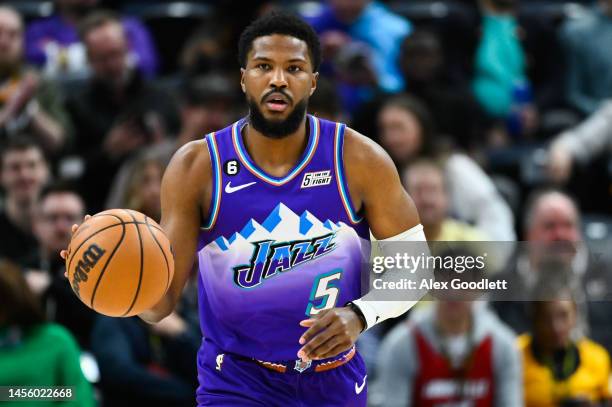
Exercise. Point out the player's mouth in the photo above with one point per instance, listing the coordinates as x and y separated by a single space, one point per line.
277 102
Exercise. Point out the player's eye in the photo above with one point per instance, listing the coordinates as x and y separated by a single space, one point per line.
264 67
294 68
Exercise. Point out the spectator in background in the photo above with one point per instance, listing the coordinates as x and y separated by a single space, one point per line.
586 44
117 112
560 370
206 51
324 102
581 144
142 364
448 97
53 43
449 353
552 227
27 103
207 103
58 208
424 180
362 39
500 81
32 351
407 132
144 187
23 173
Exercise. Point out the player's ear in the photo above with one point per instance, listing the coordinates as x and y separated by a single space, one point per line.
242 71
313 85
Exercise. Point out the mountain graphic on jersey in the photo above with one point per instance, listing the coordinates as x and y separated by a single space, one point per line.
284 240
280 251
281 221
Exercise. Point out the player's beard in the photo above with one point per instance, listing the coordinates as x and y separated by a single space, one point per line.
277 128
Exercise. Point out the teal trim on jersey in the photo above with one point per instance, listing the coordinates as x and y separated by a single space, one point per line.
315 286
216 168
339 165
246 160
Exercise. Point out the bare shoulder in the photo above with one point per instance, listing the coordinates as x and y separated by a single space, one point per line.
365 160
375 187
190 170
192 159
361 150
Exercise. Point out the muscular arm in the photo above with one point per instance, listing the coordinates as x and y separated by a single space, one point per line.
375 186
375 190
185 195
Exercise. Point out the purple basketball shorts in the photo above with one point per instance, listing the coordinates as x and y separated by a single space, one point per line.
231 380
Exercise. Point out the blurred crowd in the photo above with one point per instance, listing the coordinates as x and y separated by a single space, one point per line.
497 113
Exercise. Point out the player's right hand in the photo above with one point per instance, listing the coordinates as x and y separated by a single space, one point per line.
64 253
329 333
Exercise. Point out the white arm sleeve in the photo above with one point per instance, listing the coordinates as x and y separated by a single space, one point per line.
376 311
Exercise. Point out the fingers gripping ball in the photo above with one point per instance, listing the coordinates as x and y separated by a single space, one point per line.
119 263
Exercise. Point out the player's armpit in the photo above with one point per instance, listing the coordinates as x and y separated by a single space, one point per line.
185 195
375 187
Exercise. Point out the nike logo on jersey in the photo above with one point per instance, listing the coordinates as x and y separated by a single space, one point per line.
359 389
230 189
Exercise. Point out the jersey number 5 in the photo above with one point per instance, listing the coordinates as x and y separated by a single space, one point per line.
324 288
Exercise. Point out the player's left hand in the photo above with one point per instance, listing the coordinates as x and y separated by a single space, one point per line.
330 332
64 253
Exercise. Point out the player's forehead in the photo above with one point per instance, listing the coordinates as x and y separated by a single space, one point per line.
279 48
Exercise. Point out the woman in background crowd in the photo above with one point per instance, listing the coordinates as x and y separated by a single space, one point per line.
32 351
560 370
143 186
407 132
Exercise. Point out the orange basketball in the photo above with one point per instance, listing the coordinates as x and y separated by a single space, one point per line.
119 262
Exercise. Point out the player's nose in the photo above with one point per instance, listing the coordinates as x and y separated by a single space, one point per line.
278 79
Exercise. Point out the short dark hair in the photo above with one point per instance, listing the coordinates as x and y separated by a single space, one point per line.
20 143
95 20
59 187
284 24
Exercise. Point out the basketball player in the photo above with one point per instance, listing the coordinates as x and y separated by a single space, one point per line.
277 207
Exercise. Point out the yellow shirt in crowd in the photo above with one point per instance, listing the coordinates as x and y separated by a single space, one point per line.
588 382
456 231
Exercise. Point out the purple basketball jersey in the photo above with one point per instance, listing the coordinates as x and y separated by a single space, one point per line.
275 251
